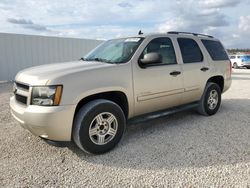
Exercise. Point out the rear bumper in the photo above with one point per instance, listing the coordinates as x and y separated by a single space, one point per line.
53 123
227 84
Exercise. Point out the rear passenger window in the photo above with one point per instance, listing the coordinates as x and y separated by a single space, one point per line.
215 50
190 50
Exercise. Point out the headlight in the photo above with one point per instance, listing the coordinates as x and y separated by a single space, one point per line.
46 95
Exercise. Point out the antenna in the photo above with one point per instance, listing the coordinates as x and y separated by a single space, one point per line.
140 33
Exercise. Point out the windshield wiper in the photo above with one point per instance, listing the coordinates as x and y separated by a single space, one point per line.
97 59
101 60
85 59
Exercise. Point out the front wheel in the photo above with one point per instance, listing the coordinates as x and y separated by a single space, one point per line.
210 101
235 66
98 126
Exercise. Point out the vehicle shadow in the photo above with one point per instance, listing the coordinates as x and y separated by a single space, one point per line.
185 139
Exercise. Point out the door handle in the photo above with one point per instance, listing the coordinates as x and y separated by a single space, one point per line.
204 69
175 73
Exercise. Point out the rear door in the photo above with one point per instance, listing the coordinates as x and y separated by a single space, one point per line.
195 68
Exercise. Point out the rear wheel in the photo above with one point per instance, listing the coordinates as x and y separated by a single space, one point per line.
99 126
211 99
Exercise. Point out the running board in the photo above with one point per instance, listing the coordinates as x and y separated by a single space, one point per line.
162 113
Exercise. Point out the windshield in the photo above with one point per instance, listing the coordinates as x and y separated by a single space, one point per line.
115 51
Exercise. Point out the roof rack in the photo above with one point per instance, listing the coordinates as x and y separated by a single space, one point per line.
189 33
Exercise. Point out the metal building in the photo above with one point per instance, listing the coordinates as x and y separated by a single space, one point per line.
19 51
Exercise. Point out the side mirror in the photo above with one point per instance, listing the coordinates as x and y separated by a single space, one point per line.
151 58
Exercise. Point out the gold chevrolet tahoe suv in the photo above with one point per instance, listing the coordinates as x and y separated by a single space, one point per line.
91 100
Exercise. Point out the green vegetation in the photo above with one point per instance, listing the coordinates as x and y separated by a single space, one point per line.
236 50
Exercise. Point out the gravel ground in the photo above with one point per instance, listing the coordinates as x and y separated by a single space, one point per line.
180 150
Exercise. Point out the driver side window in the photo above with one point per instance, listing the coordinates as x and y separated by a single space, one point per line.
164 47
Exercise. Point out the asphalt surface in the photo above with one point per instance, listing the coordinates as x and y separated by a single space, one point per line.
180 150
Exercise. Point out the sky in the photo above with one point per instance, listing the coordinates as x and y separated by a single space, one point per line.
228 20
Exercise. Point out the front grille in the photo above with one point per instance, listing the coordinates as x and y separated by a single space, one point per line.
22 86
21 99
22 92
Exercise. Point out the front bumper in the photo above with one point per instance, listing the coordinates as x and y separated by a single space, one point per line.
53 123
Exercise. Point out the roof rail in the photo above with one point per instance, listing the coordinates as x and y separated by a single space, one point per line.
195 34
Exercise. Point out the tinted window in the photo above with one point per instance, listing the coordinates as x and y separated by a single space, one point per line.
164 47
232 57
215 50
190 50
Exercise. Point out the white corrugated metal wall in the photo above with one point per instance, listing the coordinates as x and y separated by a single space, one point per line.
21 51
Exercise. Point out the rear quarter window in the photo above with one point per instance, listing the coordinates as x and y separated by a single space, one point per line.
215 50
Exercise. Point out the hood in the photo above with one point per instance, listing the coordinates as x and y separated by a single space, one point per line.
40 75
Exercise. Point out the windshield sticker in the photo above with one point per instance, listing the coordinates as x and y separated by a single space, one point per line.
132 39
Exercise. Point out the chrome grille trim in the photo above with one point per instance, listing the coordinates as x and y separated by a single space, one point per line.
22 86
22 93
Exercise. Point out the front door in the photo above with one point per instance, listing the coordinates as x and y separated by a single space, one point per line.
160 85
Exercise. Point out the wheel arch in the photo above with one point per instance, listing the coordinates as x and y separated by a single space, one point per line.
118 97
218 80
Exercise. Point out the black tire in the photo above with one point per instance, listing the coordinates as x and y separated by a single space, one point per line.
235 66
203 107
84 120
